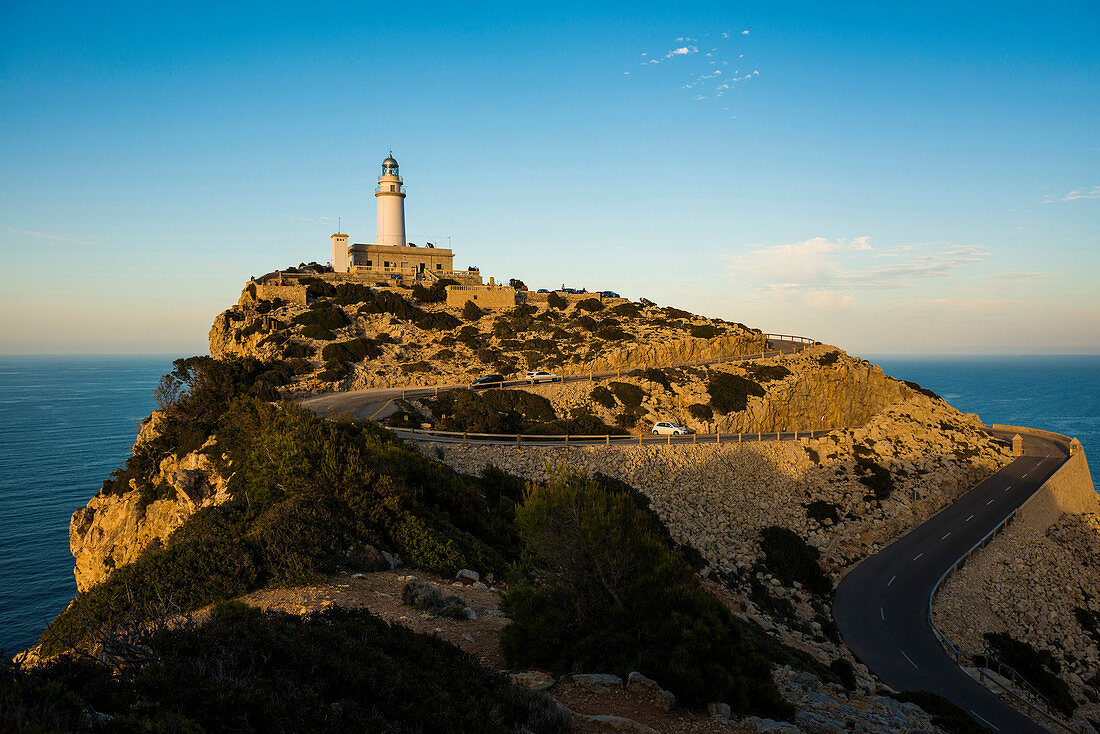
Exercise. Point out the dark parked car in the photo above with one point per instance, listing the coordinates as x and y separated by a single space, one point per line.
542 290
487 381
610 294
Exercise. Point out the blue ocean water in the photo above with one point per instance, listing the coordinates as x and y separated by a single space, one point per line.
67 422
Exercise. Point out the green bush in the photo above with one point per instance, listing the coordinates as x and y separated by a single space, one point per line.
1039 668
599 591
790 558
730 393
844 671
654 375
248 670
353 350
317 288
470 312
602 396
374 302
579 425
334 370
553 300
829 358
428 598
701 412
589 304
587 323
629 395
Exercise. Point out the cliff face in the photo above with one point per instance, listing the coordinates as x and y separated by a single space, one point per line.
113 530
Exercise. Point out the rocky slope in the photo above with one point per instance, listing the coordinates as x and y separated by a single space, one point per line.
114 529
407 342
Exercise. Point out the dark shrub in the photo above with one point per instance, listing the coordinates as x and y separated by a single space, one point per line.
821 510
767 372
337 670
470 312
317 288
922 390
730 393
444 355
587 323
410 367
844 672
436 293
553 300
318 332
516 283
334 370
297 349
701 412
1039 668
677 313
391 303
789 558
829 358
705 331
428 598
602 396
353 350
629 395
654 375
579 425
613 333
629 310
589 304
324 315
600 591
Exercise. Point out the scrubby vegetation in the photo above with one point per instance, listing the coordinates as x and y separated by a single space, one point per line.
730 393
589 304
508 411
790 558
322 315
352 350
553 300
436 293
470 312
701 412
875 476
307 493
767 372
945 714
821 511
428 598
599 588
1038 667
250 671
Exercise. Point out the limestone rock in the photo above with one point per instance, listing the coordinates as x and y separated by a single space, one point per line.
650 689
597 682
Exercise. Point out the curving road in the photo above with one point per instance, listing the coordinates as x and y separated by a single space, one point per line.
881 606
368 403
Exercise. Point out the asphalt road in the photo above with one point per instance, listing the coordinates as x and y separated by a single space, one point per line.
368 403
881 606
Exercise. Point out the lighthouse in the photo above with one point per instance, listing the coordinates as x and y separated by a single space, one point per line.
391 205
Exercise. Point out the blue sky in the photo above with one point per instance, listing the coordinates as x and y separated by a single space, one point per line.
888 179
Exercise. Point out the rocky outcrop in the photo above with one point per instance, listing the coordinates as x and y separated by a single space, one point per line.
115 529
672 352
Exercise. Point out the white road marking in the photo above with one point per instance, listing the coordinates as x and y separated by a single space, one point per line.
908 658
918 556
1025 474
945 537
891 579
969 519
987 504
983 720
882 614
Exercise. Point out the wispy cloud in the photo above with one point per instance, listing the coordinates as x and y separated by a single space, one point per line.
45 236
685 53
1017 277
827 274
1093 193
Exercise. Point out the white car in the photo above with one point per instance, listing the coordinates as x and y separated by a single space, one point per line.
540 376
668 428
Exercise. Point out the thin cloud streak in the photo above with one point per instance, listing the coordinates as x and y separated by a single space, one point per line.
45 236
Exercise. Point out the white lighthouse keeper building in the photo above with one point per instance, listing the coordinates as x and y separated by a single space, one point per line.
390 195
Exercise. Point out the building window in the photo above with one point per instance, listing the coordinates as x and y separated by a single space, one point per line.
404 265
393 187
439 266
386 263
369 263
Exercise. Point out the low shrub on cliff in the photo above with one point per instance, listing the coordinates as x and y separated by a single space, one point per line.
304 490
297 349
599 590
471 312
614 333
945 714
629 395
589 304
790 558
436 293
829 358
730 393
705 331
247 670
389 302
767 372
318 332
1038 667
491 411
876 477
602 396
553 300
322 314
353 350
821 511
701 412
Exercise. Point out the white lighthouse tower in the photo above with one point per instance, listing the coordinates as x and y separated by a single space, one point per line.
391 205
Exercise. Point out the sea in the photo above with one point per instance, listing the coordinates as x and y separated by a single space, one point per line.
67 422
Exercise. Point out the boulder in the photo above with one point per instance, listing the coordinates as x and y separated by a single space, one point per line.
649 688
597 682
